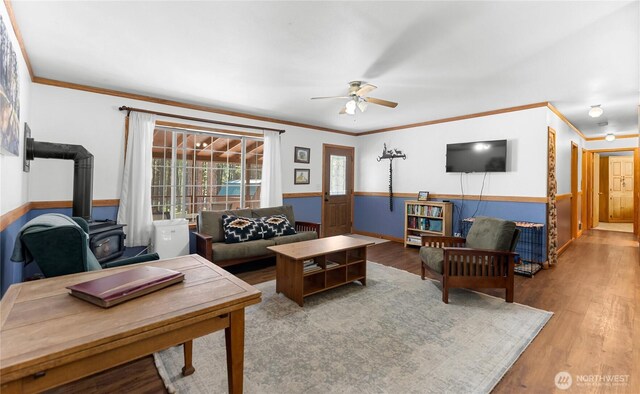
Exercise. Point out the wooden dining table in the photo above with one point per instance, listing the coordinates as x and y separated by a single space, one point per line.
49 338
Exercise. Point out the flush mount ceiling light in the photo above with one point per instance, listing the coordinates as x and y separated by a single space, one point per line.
595 111
609 137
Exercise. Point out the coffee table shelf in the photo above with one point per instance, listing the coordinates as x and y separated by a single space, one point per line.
350 255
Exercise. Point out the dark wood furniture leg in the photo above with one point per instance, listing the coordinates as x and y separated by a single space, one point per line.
188 353
234 338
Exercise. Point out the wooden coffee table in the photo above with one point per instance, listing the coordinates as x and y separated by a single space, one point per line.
49 338
341 260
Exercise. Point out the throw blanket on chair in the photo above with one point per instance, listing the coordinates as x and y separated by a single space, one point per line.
42 222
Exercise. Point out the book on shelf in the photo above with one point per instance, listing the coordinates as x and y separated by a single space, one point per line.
312 268
424 210
331 264
117 288
414 238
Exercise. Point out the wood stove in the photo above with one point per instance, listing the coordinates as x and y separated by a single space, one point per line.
106 240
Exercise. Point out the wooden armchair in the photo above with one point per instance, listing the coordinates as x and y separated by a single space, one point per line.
485 259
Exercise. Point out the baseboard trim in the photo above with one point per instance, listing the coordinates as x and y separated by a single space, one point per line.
564 247
377 235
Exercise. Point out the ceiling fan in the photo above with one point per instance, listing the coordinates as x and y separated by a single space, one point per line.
358 91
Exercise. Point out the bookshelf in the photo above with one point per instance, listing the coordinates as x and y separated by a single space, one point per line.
426 218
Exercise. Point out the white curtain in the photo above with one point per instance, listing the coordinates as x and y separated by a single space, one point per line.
271 185
135 198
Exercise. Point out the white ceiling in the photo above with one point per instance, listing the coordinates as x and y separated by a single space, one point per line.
437 59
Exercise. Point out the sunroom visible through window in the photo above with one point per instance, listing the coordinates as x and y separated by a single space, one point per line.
194 171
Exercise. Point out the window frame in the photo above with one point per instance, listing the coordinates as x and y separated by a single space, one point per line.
177 152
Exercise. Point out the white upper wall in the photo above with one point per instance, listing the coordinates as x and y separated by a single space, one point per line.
564 137
424 168
93 120
14 186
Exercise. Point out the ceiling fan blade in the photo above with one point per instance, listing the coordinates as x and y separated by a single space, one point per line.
386 103
366 89
330 97
343 111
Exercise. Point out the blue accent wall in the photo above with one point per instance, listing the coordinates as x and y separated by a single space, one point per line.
9 271
306 209
371 213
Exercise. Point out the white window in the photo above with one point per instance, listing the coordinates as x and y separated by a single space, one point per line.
195 171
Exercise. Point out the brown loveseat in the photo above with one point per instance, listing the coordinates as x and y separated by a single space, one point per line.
210 236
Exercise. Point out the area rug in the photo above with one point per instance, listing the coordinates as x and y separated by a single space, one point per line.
394 335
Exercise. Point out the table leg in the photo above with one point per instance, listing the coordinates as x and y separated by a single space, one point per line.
188 352
234 338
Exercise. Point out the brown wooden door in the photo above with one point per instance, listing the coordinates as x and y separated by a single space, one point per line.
337 189
595 206
574 190
604 189
621 189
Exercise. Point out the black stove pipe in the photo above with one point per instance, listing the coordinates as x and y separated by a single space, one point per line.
82 170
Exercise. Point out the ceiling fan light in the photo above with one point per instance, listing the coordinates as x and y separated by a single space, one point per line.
350 107
362 105
595 111
609 137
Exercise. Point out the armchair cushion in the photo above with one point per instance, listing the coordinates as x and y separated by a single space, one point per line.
132 260
433 258
491 234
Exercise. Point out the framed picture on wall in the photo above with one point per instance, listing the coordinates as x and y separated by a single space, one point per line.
423 196
302 155
301 176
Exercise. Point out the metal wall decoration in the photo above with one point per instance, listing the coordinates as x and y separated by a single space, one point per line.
390 154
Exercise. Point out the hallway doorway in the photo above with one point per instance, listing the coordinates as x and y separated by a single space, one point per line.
613 190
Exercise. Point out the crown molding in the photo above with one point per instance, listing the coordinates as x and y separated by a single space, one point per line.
457 118
565 120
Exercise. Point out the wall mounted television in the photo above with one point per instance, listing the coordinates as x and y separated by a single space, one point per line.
479 156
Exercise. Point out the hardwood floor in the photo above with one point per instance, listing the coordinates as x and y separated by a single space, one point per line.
594 292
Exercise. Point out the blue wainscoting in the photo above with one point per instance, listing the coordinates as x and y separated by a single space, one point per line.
306 209
11 272
372 213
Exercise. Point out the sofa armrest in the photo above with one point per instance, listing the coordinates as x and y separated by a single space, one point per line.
435 241
203 246
308 226
132 260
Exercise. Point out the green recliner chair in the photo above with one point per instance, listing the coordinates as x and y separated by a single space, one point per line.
485 259
59 245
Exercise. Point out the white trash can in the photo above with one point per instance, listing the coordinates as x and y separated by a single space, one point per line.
170 238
